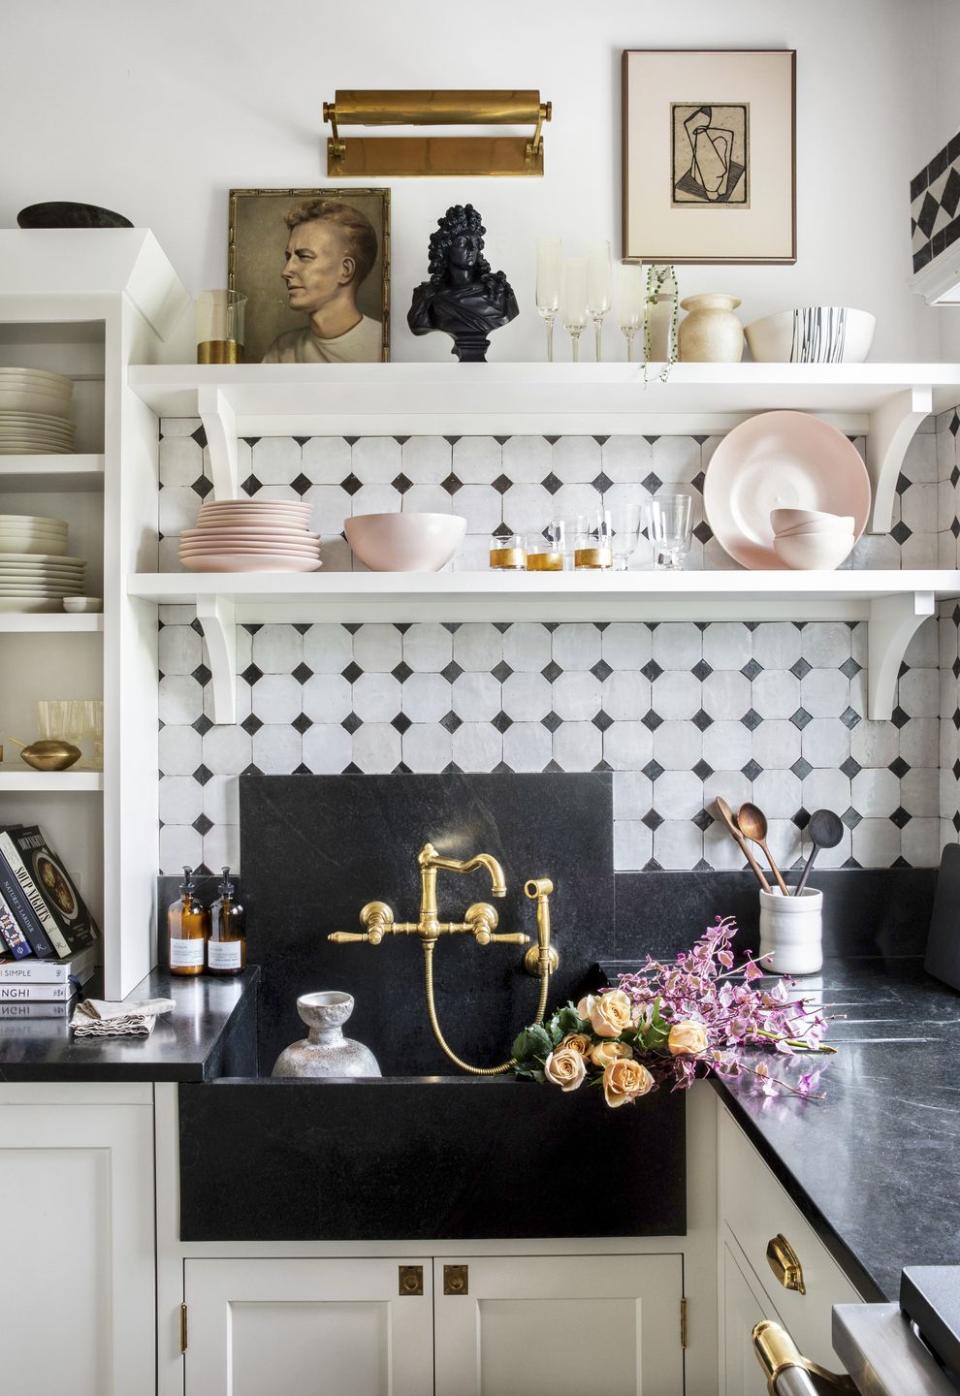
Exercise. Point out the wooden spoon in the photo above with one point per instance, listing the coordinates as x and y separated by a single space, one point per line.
826 831
726 814
752 823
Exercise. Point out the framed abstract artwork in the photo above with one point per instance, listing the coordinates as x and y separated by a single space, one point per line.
709 155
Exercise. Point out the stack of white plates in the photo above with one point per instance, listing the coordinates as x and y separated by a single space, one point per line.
35 412
251 535
39 581
32 533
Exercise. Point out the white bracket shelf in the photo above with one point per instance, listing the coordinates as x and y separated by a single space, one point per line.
893 604
892 427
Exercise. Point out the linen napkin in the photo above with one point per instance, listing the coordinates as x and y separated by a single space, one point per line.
103 1018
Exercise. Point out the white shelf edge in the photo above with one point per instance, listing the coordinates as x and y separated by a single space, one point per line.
49 782
43 472
49 623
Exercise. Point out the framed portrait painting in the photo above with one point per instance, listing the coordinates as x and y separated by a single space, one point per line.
314 265
709 155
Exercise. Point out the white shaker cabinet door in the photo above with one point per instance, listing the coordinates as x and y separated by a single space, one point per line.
559 1325
78 1307
307 1328
741 1307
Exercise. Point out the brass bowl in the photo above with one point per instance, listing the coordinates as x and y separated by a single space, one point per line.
50 755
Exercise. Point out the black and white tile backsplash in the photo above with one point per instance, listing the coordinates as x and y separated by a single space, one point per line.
680 712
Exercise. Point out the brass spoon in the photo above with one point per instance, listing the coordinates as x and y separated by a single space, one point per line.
726 814
752 823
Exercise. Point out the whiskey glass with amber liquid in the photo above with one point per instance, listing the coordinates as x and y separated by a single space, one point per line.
545 550
507 554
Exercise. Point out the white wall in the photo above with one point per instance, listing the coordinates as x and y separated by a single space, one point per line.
947 116
157 107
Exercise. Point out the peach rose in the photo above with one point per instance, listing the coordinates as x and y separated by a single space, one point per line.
576 1042
603 1053
624 1081
687 1039
609 1014
565 1068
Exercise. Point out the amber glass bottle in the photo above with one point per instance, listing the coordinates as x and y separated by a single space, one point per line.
188 925
227 945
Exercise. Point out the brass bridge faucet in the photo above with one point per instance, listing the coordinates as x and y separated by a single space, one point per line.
480 920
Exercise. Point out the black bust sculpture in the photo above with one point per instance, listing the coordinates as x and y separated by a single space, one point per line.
463 297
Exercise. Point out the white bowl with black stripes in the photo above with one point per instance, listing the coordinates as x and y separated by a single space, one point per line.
812 334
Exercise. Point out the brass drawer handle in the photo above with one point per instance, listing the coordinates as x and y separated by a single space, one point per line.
456 1279
411 1279
785 1264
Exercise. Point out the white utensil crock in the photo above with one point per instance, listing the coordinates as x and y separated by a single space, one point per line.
791 930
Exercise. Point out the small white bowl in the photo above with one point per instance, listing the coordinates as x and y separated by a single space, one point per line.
814 552
405 542
844 525
782 519
812 334
83 605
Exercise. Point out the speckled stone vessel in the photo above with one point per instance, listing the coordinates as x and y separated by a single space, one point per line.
325 1051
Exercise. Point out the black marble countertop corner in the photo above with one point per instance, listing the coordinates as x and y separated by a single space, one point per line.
210 1033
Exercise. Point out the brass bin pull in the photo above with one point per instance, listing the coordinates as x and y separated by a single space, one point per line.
410 1279
785 1263
456 1279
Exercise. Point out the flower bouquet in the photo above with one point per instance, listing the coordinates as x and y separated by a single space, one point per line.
672 1021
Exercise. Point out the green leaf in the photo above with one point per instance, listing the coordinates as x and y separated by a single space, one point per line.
569 1020
533 1042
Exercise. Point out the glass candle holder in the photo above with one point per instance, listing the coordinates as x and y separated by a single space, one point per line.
545 550
507 554
220 335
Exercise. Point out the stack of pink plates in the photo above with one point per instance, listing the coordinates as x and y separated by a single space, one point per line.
251 535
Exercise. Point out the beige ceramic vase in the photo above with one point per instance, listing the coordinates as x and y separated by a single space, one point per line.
710 332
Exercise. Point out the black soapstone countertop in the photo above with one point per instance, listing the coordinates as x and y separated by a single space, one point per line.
210 1033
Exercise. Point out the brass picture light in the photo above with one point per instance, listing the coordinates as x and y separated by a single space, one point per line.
386 157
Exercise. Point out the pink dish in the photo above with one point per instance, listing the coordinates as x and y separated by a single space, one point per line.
249 562
405 542
780 460
244 530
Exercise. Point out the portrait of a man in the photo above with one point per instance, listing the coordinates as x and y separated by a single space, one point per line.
314 266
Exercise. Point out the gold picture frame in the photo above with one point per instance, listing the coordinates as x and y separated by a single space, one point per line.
709 156
259 235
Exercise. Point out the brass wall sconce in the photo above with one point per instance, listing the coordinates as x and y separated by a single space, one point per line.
386 157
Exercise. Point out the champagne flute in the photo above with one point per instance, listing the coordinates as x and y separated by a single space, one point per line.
573 300
631 297
599 279
549 276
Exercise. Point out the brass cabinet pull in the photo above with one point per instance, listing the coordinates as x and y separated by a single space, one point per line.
456 1279
785 1264
411 1279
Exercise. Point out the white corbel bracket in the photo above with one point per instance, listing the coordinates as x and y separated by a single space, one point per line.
894 620
217 615
892 428
220 424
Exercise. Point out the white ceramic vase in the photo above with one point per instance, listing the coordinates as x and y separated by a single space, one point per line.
710 332
325 1051
791 931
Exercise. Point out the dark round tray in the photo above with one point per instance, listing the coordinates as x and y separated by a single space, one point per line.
67 215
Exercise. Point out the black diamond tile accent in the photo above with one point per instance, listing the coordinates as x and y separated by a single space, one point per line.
851 863
703 770
501 769
352 672
401 484
202 674
801 768
651 720
251 724
752 769
701 865
452 769
703 820
703 532
501 484
652 483
250 440
652 819
801 669
401 769
651 865
551 722
302 723
251 770
702 670
751 719
202 486
451 721
201 775
702 719
800 718
302 770
551 484
851 768
552 671
698 482
653 770
956 770
248 626
955 668
651 670
601 670
352 769
200 437
202 824
900 533
351 484
899 767
955 527
850 719
602 766
502 625
451 671
602 483
955 821
251 485
900 719
202 725
850 668
502 671
955 424
301 484
502 530
602 720
401 722
301 626
851 817
553 766
402 672
251 674
451 484
751 669
900 817
195 625
502 721
302 672
351 722
801 818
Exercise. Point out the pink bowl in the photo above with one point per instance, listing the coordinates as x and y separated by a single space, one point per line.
405 542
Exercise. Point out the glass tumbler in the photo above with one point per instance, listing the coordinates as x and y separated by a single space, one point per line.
591 545
507 554
669 528
220 335
545 550
625 532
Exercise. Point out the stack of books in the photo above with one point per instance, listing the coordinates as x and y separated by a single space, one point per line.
48 939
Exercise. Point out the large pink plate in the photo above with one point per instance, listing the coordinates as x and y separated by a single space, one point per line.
247 545
780 460
272 507
242 531
250 562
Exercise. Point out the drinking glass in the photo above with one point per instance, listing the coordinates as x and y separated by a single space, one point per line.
625 532
220 326
669 527
573 300
599 288
545 550
631 297
591 543
549 280
507 554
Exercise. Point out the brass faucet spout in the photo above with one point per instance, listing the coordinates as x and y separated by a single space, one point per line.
430 858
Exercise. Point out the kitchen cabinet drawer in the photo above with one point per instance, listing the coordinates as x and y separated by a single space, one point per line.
754 1208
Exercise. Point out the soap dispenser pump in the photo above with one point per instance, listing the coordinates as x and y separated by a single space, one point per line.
188 924
227 944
